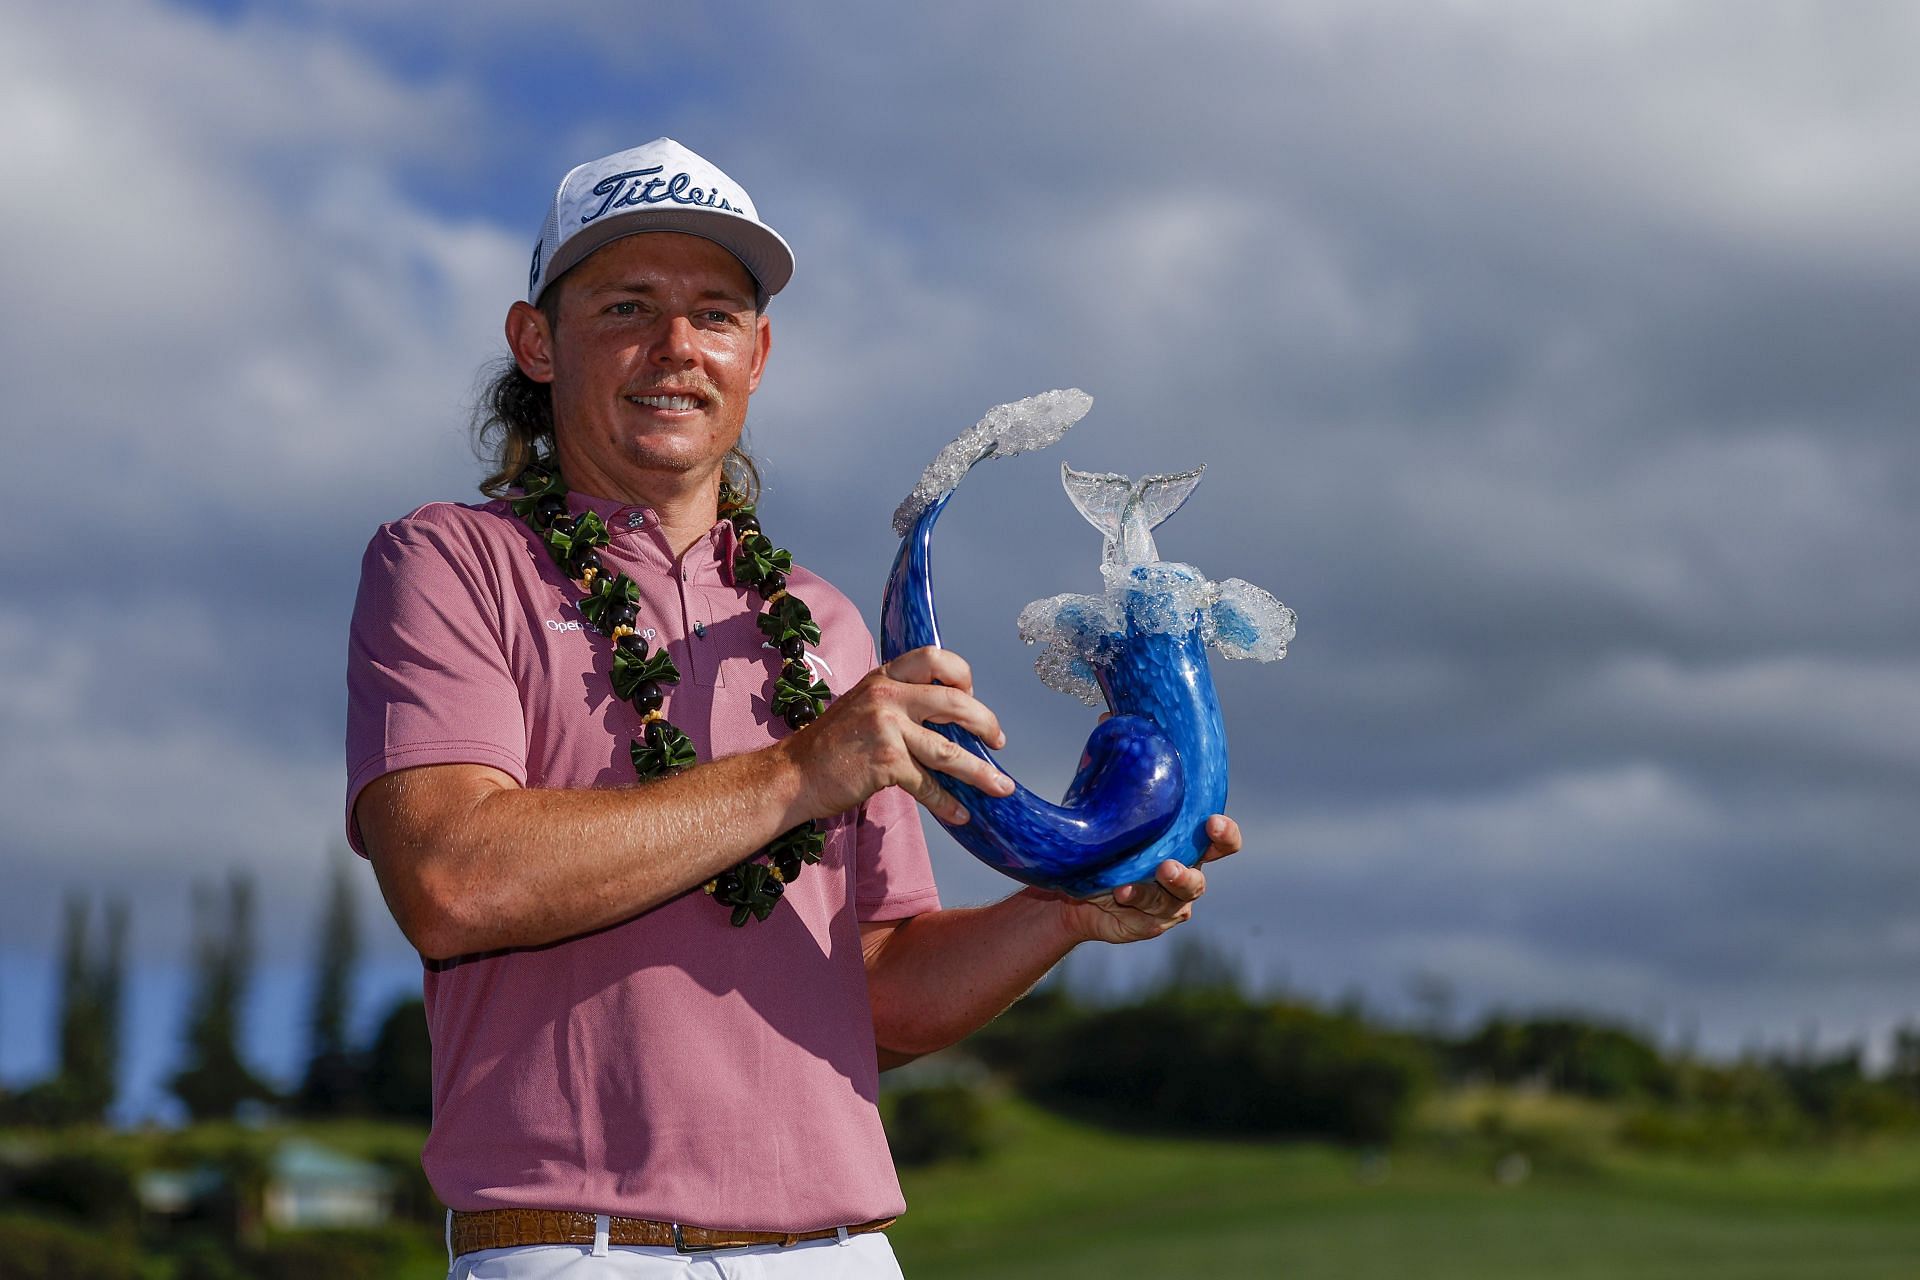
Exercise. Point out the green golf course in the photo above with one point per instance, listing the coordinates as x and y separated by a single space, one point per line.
1058 1199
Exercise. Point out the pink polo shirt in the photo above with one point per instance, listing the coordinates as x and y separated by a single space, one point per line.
672 1067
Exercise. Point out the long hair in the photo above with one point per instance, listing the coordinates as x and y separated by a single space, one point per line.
513 423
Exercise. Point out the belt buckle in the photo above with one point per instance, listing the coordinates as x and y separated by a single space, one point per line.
680 1244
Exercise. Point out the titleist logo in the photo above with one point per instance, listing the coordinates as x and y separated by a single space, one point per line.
624 190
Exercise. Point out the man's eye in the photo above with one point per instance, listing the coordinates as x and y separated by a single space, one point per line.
719 317
623 308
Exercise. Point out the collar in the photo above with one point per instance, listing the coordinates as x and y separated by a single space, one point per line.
635 530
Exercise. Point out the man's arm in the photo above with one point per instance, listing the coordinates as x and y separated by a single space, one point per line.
935 978
469 861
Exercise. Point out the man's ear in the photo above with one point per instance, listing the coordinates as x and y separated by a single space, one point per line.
762 344
530 339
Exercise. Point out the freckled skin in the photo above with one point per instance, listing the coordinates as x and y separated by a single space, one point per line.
650 313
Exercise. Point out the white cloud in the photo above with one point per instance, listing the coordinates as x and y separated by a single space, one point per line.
221 261
1438 290
232 319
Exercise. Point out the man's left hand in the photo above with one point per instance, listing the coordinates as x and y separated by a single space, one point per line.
1134 912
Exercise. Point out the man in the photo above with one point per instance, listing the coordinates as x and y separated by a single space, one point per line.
618 1070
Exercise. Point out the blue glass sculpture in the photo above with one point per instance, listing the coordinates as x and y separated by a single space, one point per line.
1156 769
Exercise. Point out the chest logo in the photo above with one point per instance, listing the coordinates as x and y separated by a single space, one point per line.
574 624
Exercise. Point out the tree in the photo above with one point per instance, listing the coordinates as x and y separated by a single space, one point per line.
83 1086
334 1078
86 1049
109 987
399 1067
215 1082
1904 1072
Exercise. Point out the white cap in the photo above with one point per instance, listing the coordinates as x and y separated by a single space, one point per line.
658 186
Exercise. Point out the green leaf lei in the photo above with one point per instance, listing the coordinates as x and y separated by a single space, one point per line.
752 889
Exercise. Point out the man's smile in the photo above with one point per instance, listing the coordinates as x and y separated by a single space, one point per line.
675 402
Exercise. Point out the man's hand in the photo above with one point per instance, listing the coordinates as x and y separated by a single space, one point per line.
1148 909
875 736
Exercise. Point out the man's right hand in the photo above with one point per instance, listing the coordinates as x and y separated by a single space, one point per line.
875 736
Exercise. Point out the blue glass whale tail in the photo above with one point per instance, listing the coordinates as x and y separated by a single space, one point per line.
1153 772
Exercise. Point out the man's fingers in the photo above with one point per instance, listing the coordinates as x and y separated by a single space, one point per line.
932 665
1172 891
1180 881
933 704
935 686
1223 834
942 756
936 799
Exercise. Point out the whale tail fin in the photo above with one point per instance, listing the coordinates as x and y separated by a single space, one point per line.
1125 511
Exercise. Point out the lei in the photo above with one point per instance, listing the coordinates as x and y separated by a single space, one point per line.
754 887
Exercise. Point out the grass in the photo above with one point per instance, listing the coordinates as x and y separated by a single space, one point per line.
1061 1200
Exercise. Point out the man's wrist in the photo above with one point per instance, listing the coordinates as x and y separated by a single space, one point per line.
1058 913
787 784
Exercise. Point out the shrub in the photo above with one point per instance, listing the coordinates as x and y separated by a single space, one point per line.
413 1196
1572 1055
1217 1064
94 1188
40 1249
372 1254
399 1079
935 1123
200 1258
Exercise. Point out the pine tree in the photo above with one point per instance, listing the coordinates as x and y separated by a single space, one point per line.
400 1065
109 992
334 1078
215 1082
79 1022
89 1015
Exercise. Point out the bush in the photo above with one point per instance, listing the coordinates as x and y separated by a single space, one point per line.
37 1249
51 1104
939 1122
1571 1055
93 1188
399 1080
372 1254
199 1258
1216 1064
413 1196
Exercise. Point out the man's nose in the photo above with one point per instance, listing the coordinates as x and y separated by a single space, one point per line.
677 342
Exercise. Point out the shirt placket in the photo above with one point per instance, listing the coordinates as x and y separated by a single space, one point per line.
695 620
640 542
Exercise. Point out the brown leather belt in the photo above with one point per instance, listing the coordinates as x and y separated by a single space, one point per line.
516 1228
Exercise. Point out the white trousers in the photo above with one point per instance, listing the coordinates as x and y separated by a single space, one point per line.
862 1257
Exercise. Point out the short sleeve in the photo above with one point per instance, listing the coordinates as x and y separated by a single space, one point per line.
428 680
893 873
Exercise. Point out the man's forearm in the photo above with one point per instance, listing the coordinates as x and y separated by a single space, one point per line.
936 978
470 862
502 866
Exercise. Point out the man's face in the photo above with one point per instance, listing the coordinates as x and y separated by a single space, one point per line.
655 348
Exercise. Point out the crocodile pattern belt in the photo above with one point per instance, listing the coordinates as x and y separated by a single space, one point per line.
516 1228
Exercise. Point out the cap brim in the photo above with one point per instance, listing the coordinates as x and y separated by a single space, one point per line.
760 249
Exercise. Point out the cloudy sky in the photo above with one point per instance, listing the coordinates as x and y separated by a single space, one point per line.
1554 361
